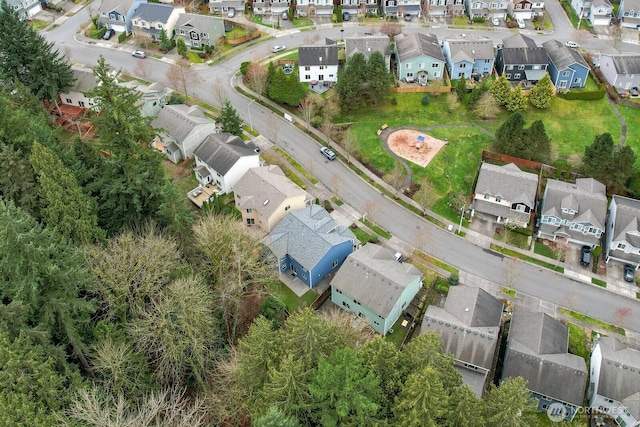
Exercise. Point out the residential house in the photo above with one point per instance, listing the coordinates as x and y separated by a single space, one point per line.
629 14
150 19
469 328
567 68
375 285
597 12
264 195
223 6
537 350
182 129
318 62
222 159
308 244
575 212
487 8
506 193
400 8
419 58
468 57
152 97
117 14
199 31
354 7
620 71
446 8
623 231
25 8
314 8
366 45
614 387
271 8
521 60
525 9
85 81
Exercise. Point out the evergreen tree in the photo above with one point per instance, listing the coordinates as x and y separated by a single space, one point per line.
516 101
351 86
461 87
230 119
295 91
423 400
164 41
510 134
621 168
378 79
542 94
275 418
181 47
510 404
501 89
608 164
538 141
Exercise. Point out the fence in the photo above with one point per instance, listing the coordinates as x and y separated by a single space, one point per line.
321 298
253 35
503 158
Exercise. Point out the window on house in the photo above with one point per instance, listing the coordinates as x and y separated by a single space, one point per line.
578 80
251 221
286 208
334 264
565 73
421 65
516 76
249 210
345 304
498 199
435 65
508 76
407 66
307 68
463 65
520 67
69 101
486 197
520 208
509 67
307 76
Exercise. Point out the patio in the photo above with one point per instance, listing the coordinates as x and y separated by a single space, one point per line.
202 194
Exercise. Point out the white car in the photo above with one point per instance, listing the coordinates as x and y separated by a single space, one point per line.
330 155
278 48
495 22
139 54
231 13
520 22
572 44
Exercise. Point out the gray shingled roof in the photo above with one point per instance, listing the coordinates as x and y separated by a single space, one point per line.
366 45
518 41
562 56
220 151
620 373
120 6
153 12
598 3
410 46
179 120
521 50
266 183
318 55
307 235
470 50
200 23
373 277
475 307
85 80
537 351
627 220
626 64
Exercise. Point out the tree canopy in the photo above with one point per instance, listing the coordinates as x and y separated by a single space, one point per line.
611 165
513 139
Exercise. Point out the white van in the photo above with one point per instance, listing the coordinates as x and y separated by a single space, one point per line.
520 22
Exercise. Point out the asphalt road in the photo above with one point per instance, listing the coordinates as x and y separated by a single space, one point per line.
404 225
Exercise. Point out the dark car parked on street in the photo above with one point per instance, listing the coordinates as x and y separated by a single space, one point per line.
585 256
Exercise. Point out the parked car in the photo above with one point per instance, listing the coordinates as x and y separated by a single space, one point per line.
520 22
231 13
285 16
328 153
346 16
278 48
629 272
407 17
633 91
139 54
571 44
585 256
110 32
495 22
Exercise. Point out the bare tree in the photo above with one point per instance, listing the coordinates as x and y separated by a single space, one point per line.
142 69
397 179
391 29
256 78
452 102
511 271
622 316
219 92
181 77
274 128
426 195
330 109
336 183
572 300
371 208
309 107
350 144
487 107
422 238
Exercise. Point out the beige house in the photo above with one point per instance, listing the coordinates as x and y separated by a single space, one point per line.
264 196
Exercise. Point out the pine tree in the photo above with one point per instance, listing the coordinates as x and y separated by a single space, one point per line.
516 101
511 130
164 41
539 141
379 79
181 47
230 119
542 94
501 89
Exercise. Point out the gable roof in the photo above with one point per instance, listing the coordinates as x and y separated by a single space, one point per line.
264 189
520 49
562 56
619 373
84 81
587 197
366 45
318 55
153 12
179 120
537 351
120 6
470 50
507 182
411 46
220 151
306 235
475 307
200 23
625 64
627 220
600 3
372 276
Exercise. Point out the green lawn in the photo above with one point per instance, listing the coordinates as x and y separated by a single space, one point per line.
592 321
544 250
290 299
361 235
631 116
578 341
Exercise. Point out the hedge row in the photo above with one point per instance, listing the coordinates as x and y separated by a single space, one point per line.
585 96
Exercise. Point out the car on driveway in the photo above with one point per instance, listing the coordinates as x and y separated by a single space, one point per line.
585 256
278 48
326 151
571 44
629 272
495 22
520 22
139 54
231 13
108 34
407 17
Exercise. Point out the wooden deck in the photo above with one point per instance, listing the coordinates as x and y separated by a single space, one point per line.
202 194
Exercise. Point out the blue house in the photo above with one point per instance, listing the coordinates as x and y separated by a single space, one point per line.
521 60
419 58
567 68
118 14
309 244
468 57
373 284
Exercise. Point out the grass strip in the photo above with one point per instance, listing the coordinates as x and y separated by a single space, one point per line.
440 264
599 282
296 165
508 291
379 230
592 321
518 255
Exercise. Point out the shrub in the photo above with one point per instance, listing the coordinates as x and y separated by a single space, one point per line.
394 101
316 121
122 37
244 67
373 238
479 20
327 206
176 99
274 309
425 100
585 96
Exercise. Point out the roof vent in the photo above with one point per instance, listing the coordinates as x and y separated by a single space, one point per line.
266 202
466 309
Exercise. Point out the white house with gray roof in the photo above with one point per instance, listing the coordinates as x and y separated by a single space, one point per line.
469 328
117 14
575 212
309 244
620 71
597 12
199 30
182 128
264 195
150 19
419 58
318 62
506 193
222 159
84 82
25 8
537 350
614 387
374 285
223 6
629 14
152 97
366 45
623 231
468 57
